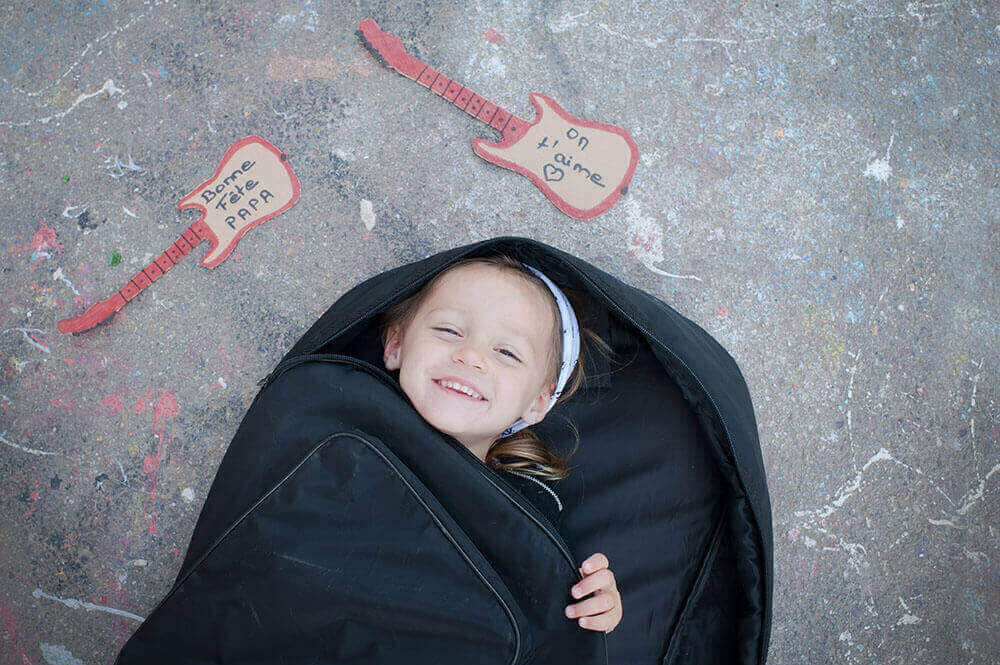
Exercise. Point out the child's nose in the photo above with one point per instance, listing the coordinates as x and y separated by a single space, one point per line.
468 354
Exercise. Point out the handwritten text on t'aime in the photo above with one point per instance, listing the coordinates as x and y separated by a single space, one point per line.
554 173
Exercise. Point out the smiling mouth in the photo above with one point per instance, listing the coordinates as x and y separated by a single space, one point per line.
458 393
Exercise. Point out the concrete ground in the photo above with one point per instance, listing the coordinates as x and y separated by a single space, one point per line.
817 188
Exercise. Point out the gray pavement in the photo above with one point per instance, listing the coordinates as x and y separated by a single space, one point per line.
817 188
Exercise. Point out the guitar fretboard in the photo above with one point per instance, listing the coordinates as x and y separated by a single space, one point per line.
390 52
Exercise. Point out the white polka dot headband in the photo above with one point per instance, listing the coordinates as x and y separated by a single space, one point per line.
571 346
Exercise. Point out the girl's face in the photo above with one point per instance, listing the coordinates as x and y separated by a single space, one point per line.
489 330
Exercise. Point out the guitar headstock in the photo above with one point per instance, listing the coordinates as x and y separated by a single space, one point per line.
389 49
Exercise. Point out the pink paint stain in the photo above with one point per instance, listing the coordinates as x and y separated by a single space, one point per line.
66 405
642 246
165 407
43 239
494 37
721 311
150 464
33 496
114 402
12 649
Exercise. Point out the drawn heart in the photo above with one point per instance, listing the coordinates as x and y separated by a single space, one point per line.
552 173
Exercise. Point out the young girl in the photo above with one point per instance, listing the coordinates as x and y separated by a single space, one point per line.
485 350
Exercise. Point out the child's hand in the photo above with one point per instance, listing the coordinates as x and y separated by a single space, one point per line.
604 610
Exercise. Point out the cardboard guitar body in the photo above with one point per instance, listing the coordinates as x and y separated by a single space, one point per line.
582 166
253 183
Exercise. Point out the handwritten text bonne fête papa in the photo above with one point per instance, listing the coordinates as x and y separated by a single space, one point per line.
224 196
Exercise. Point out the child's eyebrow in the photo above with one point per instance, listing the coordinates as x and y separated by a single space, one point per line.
513 333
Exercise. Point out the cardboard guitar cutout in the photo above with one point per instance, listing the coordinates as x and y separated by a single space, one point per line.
253 183
582 166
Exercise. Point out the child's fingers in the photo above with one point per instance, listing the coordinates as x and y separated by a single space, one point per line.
599 604
602 579
602 622
593 563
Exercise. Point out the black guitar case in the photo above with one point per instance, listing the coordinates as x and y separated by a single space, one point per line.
342 528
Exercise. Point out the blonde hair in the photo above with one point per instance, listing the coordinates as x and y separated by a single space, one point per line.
524 450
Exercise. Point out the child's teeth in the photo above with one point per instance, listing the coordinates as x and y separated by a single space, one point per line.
455 386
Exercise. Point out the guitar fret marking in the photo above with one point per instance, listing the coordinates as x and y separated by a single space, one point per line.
452 91
500 120
428 76
440 84
463 98
175 254
475 104
488 111
141 280
129 291
191 237
164 262
153 271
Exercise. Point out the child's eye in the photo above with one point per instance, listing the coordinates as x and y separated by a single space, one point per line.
502 350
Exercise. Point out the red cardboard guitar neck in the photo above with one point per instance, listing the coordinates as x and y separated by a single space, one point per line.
390 52
582 166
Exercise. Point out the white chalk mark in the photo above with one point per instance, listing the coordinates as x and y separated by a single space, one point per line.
850 393
880 169
367 214
165 304
121 166
29 338
564 23
944 523
68 70
57 654
972 417
293 18
3 439
706 39
975 494
845 492
75 604
815 518
67 212
122 469
925 10
649 43
978 557
646 240
670 274
109 87
58 274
